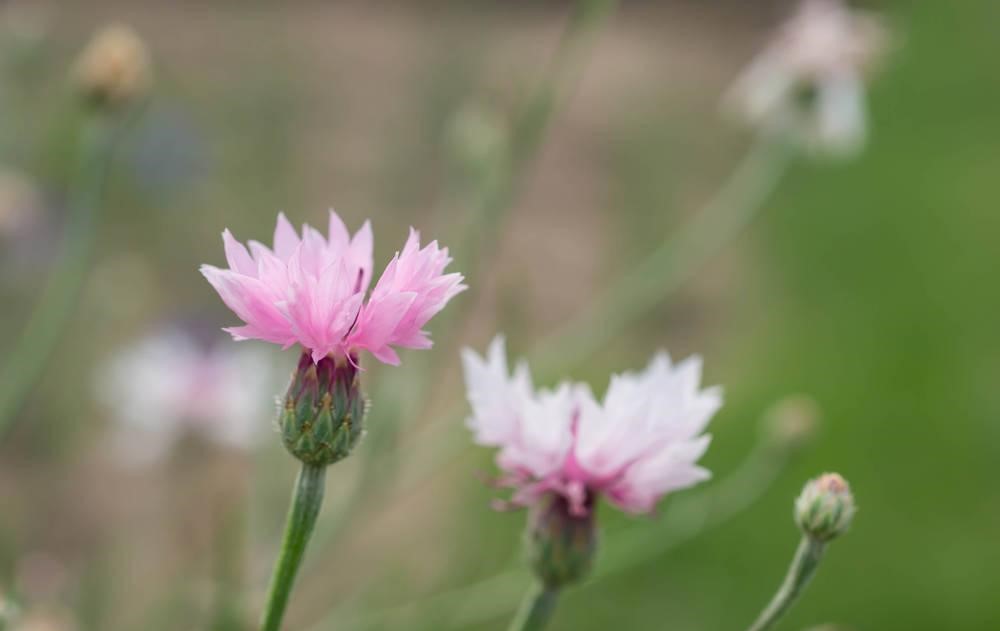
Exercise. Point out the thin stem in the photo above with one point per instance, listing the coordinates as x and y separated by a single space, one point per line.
691 515
694 513
675 260
527 132
803 566
301 518
25 362
536 610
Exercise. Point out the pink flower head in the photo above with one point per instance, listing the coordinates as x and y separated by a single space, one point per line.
641 442
311 291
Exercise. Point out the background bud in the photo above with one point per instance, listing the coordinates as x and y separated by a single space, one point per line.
792 422
113 69
825 508
560 545
322 417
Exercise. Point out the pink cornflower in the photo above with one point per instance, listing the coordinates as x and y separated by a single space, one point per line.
311 291
640 443
172 383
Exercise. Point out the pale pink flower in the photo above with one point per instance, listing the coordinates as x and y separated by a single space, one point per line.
171 383
310 290
810 79
641 442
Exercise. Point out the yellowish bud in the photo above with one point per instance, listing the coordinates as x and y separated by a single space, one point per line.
113 69
792 422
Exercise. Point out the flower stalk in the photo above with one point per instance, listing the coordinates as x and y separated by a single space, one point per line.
804 564
537 609
306 502
823 511
27 359
676 259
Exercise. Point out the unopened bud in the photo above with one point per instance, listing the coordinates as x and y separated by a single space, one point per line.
322 417
113 69
561 545
792 422
825 508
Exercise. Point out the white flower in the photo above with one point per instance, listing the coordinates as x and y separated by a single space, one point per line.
810 79
170 383
641 442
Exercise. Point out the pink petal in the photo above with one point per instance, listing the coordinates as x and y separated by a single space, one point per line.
285 238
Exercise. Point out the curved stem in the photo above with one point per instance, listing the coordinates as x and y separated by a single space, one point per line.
675 260
536 610
27 359
803 566
526 135
691 515
302 515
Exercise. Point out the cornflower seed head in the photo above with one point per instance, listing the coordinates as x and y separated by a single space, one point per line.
561 545
113 70
825 508
322 416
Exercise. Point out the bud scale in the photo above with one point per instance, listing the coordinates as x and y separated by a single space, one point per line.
561 545
322 416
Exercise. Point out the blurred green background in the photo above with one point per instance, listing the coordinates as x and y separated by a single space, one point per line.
869 285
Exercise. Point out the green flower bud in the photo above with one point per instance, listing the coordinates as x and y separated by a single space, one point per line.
561 545
322 417
825 508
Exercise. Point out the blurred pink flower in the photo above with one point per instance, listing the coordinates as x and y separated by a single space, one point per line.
642 442
810 78
311 291
171 383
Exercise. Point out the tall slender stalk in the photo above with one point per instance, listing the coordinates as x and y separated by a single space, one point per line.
536 610
25 362
804 564
306 502
488 598
527 132
675 260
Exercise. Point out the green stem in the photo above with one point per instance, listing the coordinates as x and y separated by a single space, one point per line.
536 610
301 518
674 261
27 359
804 565
691 515
527 132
